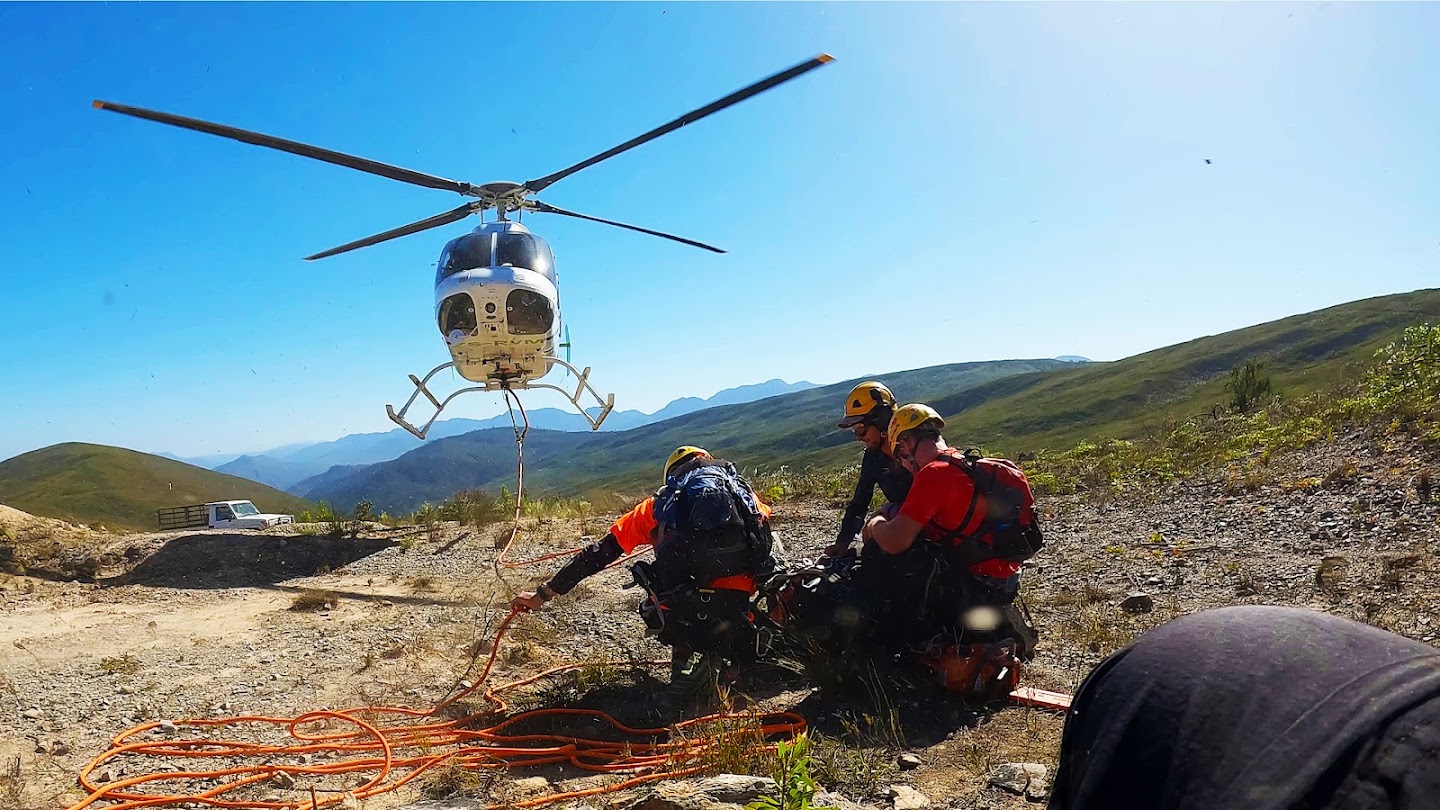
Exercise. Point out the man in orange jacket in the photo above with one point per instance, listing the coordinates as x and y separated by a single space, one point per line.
629 532
673 581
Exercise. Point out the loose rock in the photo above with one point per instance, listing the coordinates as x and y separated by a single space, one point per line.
1138 602
904 797
1022 778
908 762
736 788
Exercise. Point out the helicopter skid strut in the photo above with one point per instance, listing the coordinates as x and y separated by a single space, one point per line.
583 386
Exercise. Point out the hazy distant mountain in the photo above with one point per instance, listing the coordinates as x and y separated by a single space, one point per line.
1074 358
269 471
316 483
285 467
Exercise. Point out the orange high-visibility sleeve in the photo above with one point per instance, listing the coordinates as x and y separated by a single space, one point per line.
637 527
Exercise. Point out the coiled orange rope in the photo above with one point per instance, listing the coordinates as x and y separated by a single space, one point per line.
385 756
389 755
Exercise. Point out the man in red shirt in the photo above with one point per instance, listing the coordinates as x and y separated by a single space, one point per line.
940 514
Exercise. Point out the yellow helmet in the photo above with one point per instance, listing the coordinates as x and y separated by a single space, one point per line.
681 455
910 417
864 399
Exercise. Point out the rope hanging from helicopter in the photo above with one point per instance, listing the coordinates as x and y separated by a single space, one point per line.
521 429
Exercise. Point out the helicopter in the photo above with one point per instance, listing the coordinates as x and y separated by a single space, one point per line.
497 292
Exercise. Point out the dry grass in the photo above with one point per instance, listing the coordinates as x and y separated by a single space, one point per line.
737 745
124 664
451 780
854 771
1017 735
311 599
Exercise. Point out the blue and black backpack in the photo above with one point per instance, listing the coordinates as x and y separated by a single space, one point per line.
710 527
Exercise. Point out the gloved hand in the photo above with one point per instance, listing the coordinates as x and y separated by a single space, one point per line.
528 600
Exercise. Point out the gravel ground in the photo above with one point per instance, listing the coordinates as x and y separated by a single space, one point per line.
200 625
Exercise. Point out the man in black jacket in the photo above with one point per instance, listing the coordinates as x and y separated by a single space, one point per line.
868 409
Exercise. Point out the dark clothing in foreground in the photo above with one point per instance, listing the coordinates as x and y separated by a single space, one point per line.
876 470
1256 707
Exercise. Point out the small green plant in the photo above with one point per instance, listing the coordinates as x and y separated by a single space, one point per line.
365 511
795 787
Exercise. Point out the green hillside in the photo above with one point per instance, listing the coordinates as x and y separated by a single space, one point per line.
1009 407
119 488
766 432
1131 396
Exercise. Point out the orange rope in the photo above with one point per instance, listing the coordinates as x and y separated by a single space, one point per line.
520 433
390 755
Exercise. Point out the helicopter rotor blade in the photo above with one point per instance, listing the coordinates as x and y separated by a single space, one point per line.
453 215
547 208
295 148
688 118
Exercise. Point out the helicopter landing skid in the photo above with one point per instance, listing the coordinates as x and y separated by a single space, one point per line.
582 387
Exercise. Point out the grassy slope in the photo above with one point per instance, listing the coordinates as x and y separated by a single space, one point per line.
765 432
1128 397
1058 408
119 488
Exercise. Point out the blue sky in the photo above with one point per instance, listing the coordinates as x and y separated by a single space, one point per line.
964 182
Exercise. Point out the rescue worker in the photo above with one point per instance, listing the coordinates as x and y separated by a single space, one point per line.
868 408
942 497
722 626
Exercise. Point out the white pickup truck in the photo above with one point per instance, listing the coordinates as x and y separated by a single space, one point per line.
218 515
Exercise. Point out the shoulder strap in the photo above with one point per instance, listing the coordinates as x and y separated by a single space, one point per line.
965 464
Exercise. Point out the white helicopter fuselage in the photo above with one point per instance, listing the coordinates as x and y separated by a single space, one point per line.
500 319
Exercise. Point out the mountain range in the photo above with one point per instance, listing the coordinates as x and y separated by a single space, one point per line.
289 467
1005 407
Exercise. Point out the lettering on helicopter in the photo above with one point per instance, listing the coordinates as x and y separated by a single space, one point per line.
497 292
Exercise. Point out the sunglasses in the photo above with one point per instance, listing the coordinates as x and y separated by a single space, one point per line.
861 428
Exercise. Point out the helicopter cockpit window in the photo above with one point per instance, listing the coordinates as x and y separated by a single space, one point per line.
465 253
457 313
524 250
528 313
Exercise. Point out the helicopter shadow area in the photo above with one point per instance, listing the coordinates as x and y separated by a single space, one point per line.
206 561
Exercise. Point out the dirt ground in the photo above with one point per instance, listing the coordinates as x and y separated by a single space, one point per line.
201 624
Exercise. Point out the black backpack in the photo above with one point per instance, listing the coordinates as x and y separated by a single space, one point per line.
710 526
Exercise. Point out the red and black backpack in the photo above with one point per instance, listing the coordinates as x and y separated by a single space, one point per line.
1005 505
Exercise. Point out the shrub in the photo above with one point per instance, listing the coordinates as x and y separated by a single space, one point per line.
1248 385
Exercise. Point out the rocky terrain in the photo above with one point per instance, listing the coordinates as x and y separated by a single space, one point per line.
210 624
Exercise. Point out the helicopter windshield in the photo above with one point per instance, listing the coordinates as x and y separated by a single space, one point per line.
457 313
464 253
528 313
524 250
